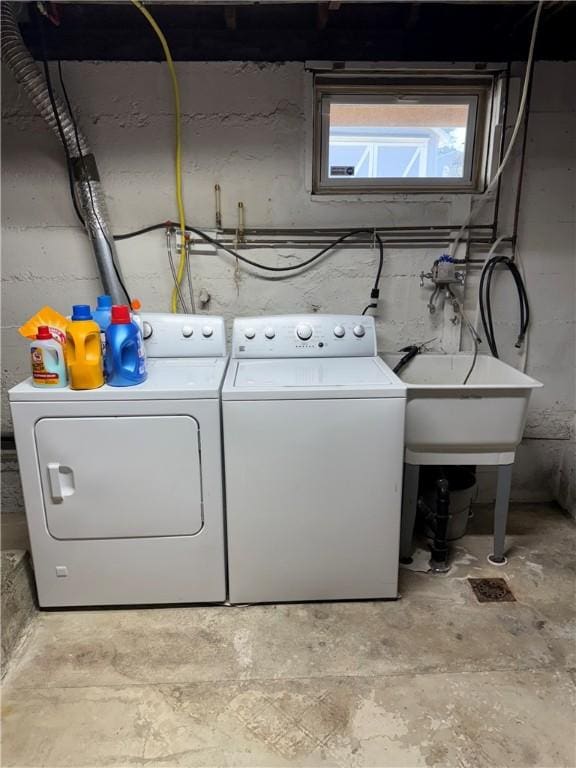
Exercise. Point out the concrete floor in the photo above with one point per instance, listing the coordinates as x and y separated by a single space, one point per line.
433 679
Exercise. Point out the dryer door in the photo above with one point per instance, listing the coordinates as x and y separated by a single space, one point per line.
120 477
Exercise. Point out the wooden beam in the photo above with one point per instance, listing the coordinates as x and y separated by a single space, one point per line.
230 17
322 16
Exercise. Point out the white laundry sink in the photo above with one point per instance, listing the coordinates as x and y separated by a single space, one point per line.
478 422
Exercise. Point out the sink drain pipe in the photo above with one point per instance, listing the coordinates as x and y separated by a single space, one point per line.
440 547
86 179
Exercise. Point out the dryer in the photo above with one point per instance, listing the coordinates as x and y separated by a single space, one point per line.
313 440
123 486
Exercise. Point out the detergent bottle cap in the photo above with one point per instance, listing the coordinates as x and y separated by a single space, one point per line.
43 332
81 312
104 302
120 314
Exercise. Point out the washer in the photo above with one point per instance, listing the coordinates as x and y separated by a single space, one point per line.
123 485
313 441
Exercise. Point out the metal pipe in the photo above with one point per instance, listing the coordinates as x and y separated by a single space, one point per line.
440 548
86 179
307 245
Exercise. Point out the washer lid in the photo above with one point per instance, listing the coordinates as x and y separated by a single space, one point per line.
168 378
310 379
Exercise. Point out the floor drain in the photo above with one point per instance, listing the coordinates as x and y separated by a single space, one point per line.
492 591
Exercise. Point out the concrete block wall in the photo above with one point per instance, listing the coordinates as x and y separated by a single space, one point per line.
246 127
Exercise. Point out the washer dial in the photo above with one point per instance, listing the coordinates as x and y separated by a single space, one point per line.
304 331
359 331
339 332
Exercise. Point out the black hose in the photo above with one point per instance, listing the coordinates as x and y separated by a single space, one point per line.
411 352
485 297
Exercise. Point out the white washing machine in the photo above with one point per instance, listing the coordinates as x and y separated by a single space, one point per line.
123 486
313 443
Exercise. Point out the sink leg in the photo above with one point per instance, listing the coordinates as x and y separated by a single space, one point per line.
501 514
409 504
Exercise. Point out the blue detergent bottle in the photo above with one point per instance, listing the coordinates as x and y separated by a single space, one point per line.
102 315
103 312
125 360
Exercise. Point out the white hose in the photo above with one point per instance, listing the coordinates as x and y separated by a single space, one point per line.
521 109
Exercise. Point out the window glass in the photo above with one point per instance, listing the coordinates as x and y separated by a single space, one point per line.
397 141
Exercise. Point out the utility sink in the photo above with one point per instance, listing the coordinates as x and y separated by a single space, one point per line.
451 422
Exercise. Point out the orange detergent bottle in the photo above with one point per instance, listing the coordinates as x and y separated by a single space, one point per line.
84 350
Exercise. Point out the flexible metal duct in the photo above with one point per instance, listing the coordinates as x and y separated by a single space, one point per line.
87 181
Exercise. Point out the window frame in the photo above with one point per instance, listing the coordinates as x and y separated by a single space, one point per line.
477 91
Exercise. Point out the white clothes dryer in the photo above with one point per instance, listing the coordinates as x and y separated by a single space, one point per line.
313 443
123 486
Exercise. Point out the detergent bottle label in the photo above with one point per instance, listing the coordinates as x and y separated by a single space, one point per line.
141 356
41 373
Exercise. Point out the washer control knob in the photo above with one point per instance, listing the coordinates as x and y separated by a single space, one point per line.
187 331
339 332
146 329
269 333
207 331
359 331
304 331
249 333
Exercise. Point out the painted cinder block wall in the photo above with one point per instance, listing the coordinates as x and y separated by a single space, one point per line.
246 127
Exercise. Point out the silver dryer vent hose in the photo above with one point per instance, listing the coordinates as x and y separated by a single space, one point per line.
87 182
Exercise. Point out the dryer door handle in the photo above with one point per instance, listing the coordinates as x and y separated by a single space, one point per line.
61 481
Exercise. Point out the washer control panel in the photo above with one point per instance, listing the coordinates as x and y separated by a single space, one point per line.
171 335
304 336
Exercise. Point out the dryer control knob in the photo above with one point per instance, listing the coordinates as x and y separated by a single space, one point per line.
207 331
359 331
146 329
187 331
339 331
304 332
269 333
249 333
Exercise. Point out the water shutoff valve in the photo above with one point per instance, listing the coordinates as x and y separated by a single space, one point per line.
443 273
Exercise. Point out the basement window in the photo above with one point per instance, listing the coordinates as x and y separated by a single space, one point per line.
389 134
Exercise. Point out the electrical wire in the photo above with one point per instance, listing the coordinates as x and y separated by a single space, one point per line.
143 231
374 294
302 264
519 118
219 244
178 156
88 185
66 151
69 169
